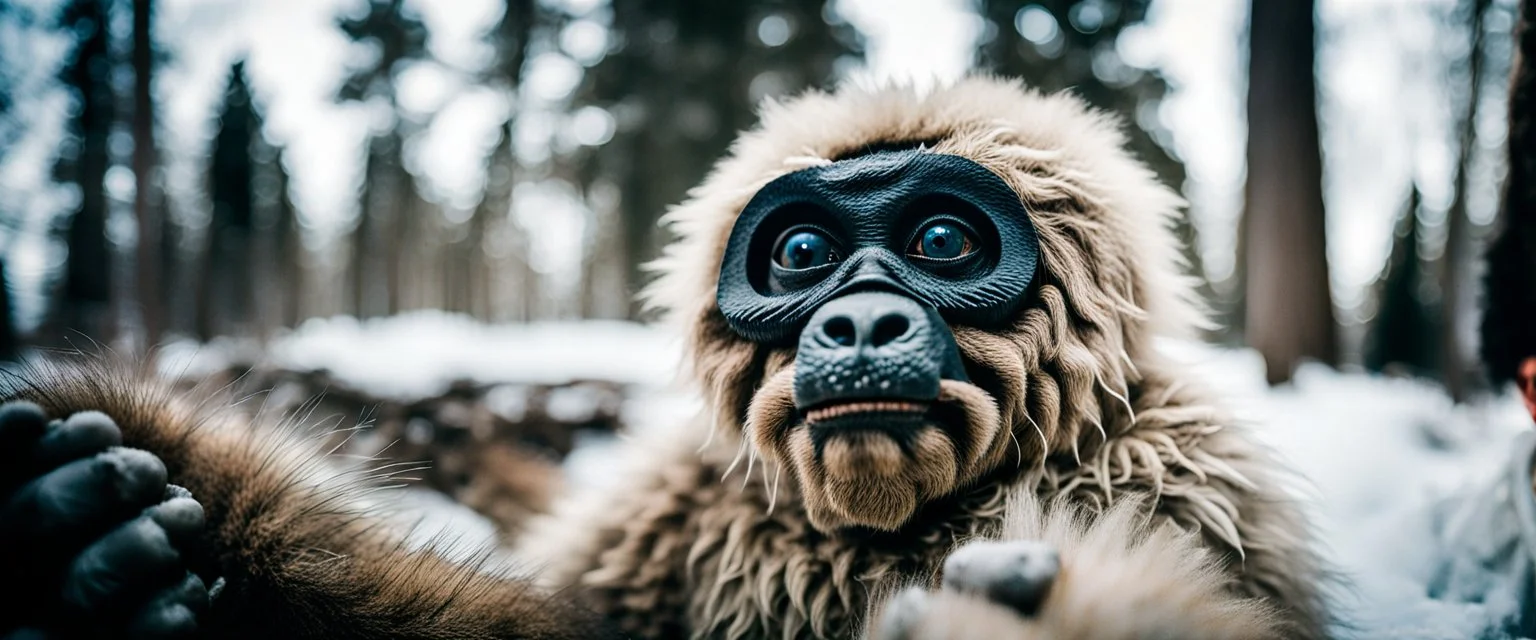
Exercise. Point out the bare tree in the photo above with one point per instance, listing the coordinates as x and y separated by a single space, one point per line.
1455 283
145 198
1507 338
1288 304
86 303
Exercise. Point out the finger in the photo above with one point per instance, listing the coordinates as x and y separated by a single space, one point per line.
113 573
1018 574
83 498
83 434
21 425
181 518
172 613
903 614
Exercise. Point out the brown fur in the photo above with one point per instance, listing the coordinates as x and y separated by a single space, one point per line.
302 552
729 527
1072 403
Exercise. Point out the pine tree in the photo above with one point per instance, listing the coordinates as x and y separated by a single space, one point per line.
226 299
384 220
278 243
1398 341
683 77
86 301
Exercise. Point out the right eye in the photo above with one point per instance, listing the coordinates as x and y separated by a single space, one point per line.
804 249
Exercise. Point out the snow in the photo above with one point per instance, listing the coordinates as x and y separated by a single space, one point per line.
1376 454
418 354
1373 454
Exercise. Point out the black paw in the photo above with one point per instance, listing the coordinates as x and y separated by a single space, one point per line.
990 590
1018 573
92 536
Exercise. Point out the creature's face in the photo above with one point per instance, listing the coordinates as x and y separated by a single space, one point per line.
894 296
859 266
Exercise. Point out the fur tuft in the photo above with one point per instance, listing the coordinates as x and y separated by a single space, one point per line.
1124 576
302 551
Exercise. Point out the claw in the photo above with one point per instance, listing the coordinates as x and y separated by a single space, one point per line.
902 614
1017 574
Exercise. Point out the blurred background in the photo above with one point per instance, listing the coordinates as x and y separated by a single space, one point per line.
190 169
420 225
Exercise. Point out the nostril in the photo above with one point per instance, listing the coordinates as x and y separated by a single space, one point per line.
841 331
888 329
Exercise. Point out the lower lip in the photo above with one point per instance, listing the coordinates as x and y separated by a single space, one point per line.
839 410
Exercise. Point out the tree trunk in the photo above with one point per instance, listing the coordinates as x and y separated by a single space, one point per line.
9 344
1510 281
1455 286
1289 309
145 202
87 301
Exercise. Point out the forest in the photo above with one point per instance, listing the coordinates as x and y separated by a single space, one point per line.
131 219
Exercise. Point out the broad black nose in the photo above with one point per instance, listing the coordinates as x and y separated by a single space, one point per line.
874 345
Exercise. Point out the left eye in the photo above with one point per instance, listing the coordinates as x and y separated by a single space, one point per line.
804 249
942 241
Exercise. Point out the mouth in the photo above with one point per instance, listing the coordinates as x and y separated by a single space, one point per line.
865 408
901 420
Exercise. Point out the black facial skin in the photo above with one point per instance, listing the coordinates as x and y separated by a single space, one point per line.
92 539
865 261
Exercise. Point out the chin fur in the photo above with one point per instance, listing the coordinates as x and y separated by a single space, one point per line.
868 478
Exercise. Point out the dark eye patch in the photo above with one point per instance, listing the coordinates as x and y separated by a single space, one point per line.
940 229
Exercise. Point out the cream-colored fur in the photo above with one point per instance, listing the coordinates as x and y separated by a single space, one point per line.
721 531
1111 554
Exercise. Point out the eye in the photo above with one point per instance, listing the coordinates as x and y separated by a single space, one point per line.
803 249
942 240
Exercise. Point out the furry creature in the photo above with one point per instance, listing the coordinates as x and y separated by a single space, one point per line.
1101 493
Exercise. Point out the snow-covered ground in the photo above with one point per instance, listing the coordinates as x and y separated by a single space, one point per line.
1374 453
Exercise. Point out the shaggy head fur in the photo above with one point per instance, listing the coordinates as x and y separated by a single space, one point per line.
1057 380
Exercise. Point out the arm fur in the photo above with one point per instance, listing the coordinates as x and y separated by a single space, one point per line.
302 556
1122 577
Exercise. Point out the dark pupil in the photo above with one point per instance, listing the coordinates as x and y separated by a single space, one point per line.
804 250
942 241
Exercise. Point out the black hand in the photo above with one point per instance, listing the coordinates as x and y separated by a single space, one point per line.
97 542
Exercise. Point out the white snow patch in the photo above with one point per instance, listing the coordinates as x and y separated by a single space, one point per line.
418 354
1364 447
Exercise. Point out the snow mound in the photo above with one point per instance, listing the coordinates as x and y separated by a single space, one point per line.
418 354
1377 455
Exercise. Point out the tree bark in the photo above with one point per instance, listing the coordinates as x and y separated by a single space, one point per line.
1289 307
145 203
9 343
1510 280
86 306
1455 287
